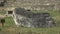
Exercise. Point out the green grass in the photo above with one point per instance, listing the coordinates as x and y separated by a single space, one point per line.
2 12
9 21
11 28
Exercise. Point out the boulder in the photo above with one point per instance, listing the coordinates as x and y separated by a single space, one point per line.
35 20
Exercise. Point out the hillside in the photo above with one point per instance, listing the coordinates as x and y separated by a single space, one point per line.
39 6
35 4
11 28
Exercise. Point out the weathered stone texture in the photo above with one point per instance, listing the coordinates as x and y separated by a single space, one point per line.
30 19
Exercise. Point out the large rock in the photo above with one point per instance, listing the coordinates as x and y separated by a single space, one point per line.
30 19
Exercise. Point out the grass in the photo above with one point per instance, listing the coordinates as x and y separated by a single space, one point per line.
11 28
2 12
